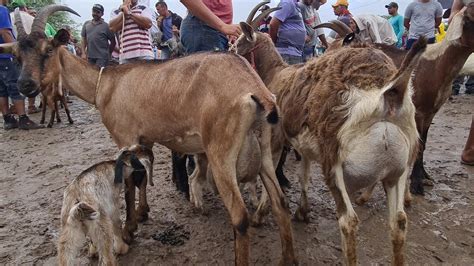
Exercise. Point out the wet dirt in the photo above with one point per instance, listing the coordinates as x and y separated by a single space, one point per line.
37 165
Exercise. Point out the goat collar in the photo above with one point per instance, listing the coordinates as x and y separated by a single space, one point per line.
252 55
97 86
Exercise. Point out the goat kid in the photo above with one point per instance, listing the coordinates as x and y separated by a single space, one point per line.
351 111
91 207
207 107
50 96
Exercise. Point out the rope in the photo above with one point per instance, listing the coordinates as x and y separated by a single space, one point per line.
97 86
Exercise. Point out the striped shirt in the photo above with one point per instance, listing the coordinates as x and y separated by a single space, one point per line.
136 41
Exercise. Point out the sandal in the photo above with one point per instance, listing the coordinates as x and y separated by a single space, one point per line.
33 110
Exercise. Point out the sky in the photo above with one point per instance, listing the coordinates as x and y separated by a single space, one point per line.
241 7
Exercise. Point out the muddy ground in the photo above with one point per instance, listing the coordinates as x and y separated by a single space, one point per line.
36 166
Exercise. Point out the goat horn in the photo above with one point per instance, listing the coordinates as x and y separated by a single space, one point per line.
255 9
339 27
19 25
262 16
40 21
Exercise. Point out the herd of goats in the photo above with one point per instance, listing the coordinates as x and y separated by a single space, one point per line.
361 111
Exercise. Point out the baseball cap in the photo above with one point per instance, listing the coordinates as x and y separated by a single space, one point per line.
341 3
98 7
18 3
392 4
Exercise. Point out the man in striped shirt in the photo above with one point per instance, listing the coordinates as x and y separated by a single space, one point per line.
134 38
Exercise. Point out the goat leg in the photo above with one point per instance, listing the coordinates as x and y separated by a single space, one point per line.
180 175
51 106
58 119
66 108
43 109
282 180
143 208
131 218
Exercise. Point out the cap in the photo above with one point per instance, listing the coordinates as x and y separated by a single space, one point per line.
341 3
18 3
98 7
392 4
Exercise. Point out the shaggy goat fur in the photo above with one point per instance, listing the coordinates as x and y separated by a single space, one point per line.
351 111
91 208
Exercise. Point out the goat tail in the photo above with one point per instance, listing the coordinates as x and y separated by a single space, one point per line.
82 211
270 107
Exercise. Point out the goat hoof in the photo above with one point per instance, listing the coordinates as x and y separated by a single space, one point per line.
301 215
361 200
256 220
122 249
59 120
50 125
417 188
407 199
71 122
42 122
142 217
127 236
428 182
285 262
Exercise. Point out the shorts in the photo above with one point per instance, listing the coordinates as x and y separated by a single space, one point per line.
8 79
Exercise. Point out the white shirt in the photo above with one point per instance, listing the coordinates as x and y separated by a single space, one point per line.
375 29
27 20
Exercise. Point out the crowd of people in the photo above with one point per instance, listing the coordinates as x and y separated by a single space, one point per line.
137 31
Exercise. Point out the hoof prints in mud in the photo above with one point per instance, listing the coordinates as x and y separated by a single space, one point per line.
173 235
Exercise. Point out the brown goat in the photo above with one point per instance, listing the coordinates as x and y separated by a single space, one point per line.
207 107
50 97
351 111
432 79
91 207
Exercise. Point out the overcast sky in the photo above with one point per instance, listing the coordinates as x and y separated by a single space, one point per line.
241 7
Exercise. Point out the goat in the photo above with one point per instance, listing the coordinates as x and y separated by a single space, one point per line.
50 97
351 111
91 207
207 107
432 79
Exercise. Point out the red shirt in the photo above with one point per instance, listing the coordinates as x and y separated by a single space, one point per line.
221 8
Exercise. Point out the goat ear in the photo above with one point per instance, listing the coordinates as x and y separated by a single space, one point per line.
248 31
394 95
455 28
119 166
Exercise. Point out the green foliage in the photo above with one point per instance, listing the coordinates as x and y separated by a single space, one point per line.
58 20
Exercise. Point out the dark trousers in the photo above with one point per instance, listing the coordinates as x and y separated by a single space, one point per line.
410 42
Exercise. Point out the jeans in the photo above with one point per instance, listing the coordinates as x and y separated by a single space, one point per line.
196 36
410 42
8 79
292 59
457 83
308 53
100 62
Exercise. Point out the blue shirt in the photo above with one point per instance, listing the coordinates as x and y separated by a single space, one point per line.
398 28
167 28
292 33
5 23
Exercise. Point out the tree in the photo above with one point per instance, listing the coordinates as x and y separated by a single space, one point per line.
58 20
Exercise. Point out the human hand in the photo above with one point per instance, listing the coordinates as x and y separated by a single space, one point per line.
231 30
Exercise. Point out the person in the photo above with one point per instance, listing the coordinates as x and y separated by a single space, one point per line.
341 10
311 19
97 39
27 22
288 32
422 17
169 24
207 25
134 38
467 156
9 75
396 20
264 24
373 29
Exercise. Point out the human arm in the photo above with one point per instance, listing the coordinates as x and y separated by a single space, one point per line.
112 43
408 14
456 7
401 28
84 41
273 29
7 35
438 15
198 9
116 21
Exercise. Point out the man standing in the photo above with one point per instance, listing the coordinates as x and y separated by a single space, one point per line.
207 25
311 19
167 21
341 10
397 22
288 32
8 78
97 39
422 17
373 29
134 38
